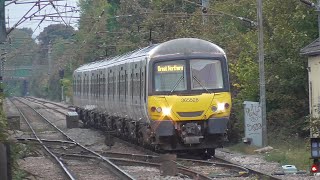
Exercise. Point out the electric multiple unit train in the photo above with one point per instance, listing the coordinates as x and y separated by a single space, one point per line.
172 96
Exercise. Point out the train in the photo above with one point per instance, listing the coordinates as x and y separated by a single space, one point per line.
172 96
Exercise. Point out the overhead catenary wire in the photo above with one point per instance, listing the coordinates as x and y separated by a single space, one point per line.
224 13
42 5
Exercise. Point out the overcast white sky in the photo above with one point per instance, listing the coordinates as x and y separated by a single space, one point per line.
16 11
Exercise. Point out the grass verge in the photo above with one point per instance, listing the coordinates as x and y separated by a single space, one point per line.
287 151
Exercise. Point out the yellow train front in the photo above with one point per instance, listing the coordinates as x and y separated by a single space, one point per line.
173 96
188 96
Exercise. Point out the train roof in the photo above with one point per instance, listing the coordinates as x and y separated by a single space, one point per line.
182 46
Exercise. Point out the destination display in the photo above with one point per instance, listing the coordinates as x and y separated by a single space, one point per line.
170 68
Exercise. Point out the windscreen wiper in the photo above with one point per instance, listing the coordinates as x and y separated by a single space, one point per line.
176 84
195 78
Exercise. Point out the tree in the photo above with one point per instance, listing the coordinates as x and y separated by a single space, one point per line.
55 31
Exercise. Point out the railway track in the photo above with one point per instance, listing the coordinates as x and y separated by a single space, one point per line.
235 170
53 147
79 154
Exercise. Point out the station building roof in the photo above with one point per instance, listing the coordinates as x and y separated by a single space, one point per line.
312 49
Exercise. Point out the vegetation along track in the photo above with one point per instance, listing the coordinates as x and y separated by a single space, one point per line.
58 147
215 168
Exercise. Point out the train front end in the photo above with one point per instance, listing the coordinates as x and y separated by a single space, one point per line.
189 99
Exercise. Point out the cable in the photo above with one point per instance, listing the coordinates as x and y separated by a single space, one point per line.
226 14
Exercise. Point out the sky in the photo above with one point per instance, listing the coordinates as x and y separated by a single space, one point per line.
14 12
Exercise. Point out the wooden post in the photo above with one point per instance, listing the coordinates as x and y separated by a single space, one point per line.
3 162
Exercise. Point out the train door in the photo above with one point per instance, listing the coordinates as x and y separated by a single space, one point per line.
103 89
116 76
91 84
136 89
126 87
129 100
99 89
85 98
143 89
110 87
121 89
76 88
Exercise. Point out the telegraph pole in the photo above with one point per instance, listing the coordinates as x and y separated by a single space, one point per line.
318 10
3 33
3 37
262 75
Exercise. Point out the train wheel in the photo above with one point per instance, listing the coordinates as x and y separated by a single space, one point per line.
140 138
211 152
86 120
208 153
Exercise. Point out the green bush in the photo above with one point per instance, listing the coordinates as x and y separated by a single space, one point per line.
3 123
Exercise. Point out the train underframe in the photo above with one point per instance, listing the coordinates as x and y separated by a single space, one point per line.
168 136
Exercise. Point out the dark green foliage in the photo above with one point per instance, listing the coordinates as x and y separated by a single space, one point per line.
55 31
3 122
22 49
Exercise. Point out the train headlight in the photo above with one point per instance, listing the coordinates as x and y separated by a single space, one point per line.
221 106
166 111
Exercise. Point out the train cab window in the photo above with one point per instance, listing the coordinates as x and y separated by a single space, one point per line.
170 76
206 74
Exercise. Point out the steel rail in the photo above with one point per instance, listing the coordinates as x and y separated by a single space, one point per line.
45 140
64 168
38 101
242 171
181 169
112 167
252 171
44 101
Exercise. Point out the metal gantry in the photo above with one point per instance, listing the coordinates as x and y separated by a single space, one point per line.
39 6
